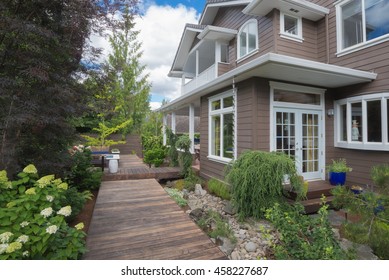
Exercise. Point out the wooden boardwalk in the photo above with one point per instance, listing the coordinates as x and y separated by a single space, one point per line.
135 220
131 167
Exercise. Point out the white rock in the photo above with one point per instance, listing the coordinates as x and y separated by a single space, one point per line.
251 247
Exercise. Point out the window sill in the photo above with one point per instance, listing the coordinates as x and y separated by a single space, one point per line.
363 146
291 37
220 159
362 46
254 52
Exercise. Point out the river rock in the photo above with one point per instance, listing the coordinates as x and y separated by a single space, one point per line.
250 247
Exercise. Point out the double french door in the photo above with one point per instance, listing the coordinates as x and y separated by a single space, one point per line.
297 132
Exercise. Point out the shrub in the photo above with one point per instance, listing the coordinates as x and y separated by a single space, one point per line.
76 200
177 197
216 226
256 180
155 156
32 219
150 142
179 185
184 157
219 188
191 180
380 176
303 237
83 175
172 153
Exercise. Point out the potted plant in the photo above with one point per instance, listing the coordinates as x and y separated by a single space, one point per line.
337 172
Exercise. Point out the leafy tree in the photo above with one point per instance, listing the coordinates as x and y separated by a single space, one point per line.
128 85
41 46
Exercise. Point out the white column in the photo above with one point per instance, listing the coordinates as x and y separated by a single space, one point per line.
218 56
174 122
183 79
191 126
164 119
197 63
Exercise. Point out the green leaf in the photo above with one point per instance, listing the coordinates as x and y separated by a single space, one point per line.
22 189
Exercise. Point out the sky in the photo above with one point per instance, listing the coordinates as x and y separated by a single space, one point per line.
161 25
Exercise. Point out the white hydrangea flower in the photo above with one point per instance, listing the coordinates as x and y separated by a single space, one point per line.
47 212
52 229
26 254
24 224
4 237
13 247
3 248
49 198
65 211
44 181
63 186
30 169
22 239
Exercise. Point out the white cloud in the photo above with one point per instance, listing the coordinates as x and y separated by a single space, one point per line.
161 28
155 105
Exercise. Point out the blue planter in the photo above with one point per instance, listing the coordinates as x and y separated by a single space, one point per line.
337 178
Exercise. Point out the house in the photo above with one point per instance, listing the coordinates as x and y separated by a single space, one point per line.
308 78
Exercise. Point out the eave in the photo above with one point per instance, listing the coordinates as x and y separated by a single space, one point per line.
215 33
211 9
302 8
283 68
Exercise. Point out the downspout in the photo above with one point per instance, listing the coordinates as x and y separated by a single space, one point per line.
327 40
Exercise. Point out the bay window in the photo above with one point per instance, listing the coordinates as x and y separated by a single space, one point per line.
362 122
361 23
222 127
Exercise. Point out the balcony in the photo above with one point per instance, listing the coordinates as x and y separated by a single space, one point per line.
204 77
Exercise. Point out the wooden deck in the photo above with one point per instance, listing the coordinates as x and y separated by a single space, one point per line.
135 220
131 167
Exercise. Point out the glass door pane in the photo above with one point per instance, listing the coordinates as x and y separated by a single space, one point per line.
286 133
310 142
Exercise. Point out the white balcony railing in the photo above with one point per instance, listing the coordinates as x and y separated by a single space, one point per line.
204 77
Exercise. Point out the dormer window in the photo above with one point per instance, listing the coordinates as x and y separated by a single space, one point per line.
291 27
248 38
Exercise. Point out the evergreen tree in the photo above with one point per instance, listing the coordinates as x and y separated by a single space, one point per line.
128 85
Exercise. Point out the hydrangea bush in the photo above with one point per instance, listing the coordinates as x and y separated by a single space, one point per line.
32 219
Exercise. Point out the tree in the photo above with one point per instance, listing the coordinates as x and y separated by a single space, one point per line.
42 43
128 85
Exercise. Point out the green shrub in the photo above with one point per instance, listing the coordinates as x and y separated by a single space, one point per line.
380 176
219 188
171 139
32 219
150 142
303 237
156 156
256 179
76 200
179 185
177 197
191 180
184 156
379 240
216 226
82 174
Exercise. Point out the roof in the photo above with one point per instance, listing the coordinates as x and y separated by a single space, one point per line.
279 67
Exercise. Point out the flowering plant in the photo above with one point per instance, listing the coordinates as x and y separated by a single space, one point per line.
32 219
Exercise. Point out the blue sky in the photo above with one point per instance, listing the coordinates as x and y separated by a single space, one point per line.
197 4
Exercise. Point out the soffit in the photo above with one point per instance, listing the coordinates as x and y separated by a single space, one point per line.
301 8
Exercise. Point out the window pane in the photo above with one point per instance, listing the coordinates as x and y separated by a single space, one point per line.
387 112
377 19
290 25
374 130
243 42
252 29
352 23
356 121
216 105
215 134
343 122
228 102
228 136
296 97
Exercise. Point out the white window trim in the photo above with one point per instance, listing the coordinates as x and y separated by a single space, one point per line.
221 112
247 41
286 35
365 44
364 144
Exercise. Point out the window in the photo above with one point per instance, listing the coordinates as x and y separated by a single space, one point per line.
363 122
248 38
362 23
291 27
222 127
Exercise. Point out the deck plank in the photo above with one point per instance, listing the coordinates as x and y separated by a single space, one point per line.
136 220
